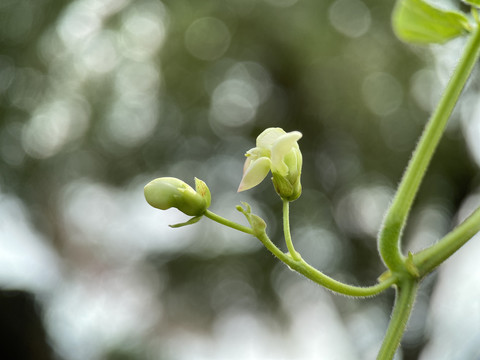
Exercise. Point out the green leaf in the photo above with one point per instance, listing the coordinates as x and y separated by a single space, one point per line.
415 21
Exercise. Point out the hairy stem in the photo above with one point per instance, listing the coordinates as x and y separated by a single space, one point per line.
302 267
428 259
396 217
229 223
286 230
405 297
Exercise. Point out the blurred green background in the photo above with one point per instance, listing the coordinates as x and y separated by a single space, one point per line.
98 97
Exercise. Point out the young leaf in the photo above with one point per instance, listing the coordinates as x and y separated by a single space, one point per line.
415 21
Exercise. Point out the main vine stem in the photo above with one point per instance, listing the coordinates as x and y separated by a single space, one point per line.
396 217
405 297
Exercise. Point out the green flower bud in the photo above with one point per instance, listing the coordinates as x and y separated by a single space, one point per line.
167 192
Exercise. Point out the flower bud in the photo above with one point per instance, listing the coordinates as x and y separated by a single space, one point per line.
167 192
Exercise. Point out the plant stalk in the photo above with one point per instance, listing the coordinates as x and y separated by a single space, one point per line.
302 267
405 297
306 269
286 230
396 217
428 259
229 223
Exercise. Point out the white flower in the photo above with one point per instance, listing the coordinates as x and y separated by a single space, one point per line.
278 152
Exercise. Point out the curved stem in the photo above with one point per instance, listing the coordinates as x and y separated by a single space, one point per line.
286 230
304 268
428 259
396 217
228 223
405 298
317 276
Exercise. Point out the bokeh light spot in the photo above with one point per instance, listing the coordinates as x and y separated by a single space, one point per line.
130 125
237 95
77 24
383 93
360 211
350 17
133 115
425 89
27 260
471 126
99 53
55 125
234 102
143 30
207 38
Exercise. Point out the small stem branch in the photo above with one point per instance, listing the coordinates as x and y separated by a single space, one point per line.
428 259
396 217
405 297
228 223
286 230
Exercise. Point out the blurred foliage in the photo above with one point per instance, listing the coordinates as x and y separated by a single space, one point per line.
97 97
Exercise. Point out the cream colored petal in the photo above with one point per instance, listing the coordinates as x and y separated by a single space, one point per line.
281 148
268 137
255 173
247 163
257 152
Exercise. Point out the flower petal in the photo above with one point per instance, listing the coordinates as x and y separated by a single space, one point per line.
257 152
255 173
268 137
281 148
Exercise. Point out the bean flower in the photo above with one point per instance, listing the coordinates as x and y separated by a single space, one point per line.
276 151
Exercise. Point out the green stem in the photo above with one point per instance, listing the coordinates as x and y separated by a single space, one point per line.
396 217
317 276
304 268
228 223
428 259
286 230
405 298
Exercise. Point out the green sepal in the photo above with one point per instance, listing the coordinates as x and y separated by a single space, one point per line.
193 220
416 21
202 189
285 189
